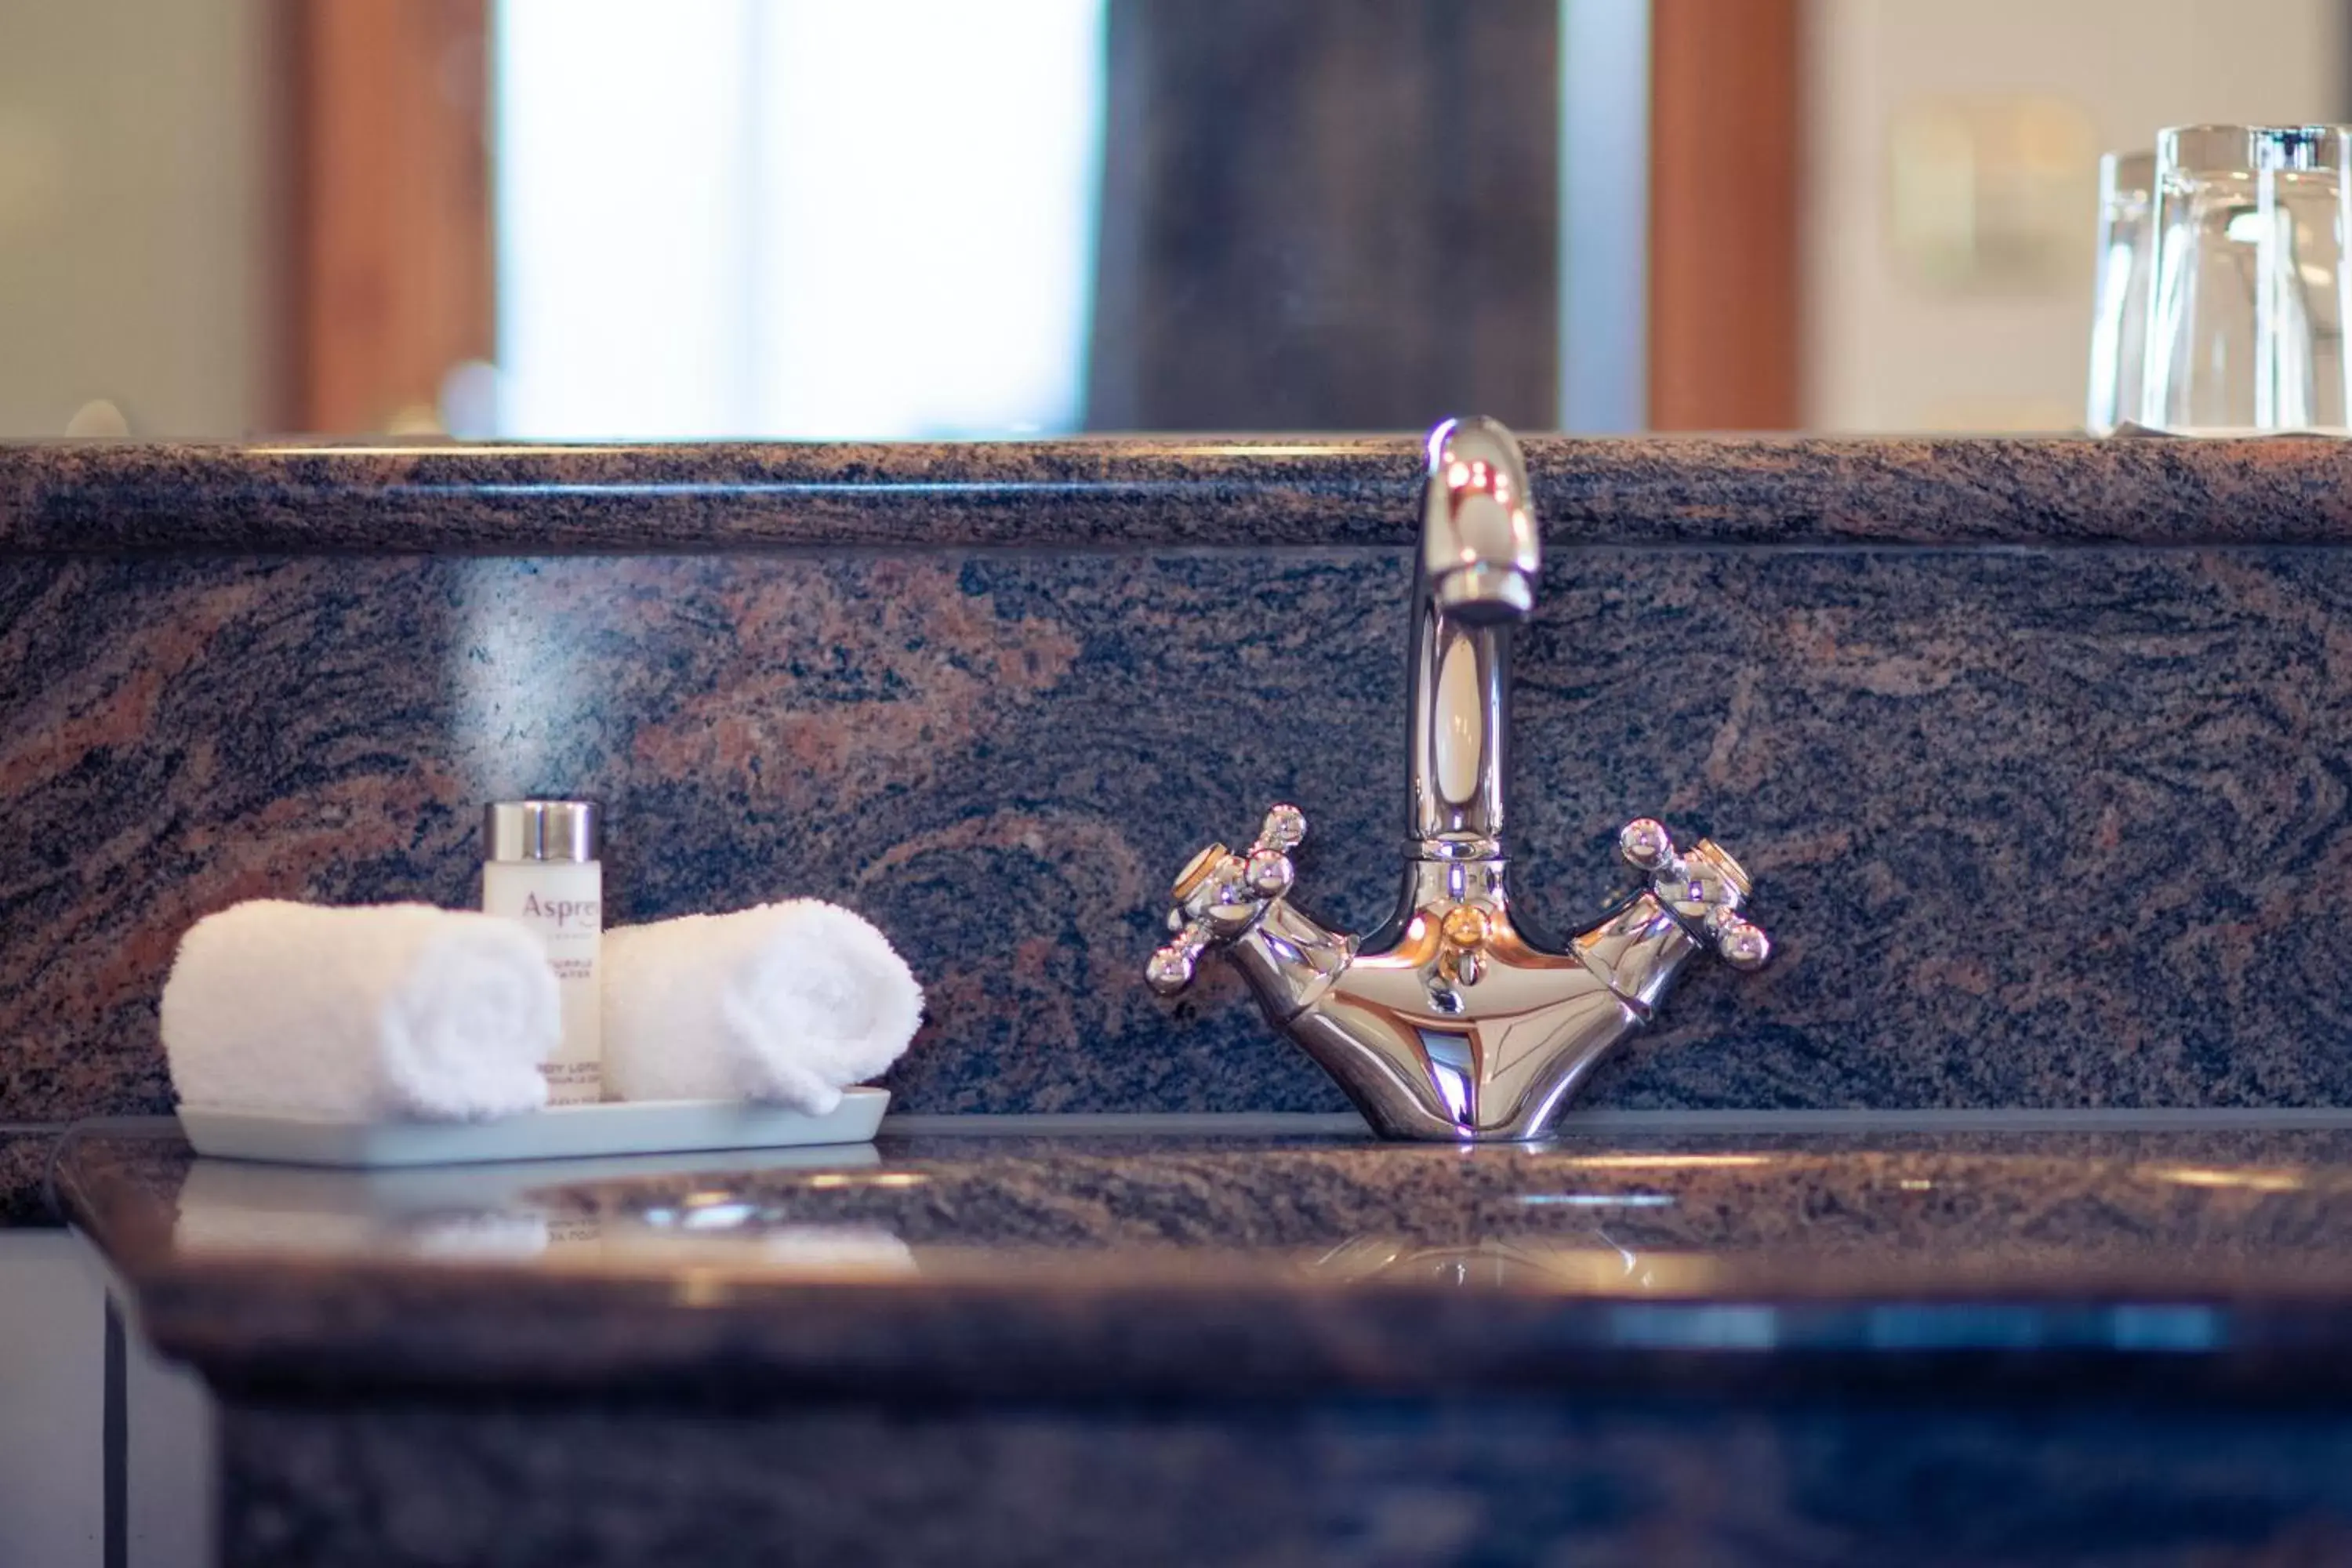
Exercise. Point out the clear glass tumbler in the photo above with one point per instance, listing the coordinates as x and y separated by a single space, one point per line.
2301 197
2119 302
2245 324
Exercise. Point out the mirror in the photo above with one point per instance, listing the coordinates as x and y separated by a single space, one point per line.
930 219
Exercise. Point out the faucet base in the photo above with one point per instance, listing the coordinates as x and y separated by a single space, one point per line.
1452 1027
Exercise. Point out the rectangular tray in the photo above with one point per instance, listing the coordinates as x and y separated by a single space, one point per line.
559 1133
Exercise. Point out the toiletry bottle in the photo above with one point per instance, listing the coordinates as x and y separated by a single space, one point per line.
540 868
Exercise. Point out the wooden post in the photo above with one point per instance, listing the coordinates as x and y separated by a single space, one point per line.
1725 151
391 267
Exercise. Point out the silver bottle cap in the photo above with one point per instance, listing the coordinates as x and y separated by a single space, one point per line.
542 830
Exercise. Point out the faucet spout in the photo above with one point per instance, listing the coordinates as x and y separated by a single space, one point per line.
1454 1021
1475 576
1479 546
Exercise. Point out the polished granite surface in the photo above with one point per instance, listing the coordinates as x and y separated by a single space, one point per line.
1122 491
1597 1480
2034 747
970 1266
2074 700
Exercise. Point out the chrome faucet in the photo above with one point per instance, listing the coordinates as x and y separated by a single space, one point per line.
1454 1021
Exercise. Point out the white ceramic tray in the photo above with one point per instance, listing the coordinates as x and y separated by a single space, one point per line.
561 1132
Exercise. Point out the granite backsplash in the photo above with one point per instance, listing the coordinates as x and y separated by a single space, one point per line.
2037 748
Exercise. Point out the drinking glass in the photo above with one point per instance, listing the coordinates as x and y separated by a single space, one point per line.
2119 303
2247 308
2303 185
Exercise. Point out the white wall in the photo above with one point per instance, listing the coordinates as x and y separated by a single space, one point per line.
52 1411
134 232
1882 351
53 1423
171 1464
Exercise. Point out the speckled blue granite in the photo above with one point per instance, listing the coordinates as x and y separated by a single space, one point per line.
1125 491
1610 1482
2035 823
932 1268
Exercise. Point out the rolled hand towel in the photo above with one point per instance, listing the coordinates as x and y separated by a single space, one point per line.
399 1010
786 1003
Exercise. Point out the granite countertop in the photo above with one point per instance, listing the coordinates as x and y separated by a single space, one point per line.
1113 492
947 1266
1905 678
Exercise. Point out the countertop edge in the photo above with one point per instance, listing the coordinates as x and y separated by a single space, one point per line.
1154 493
1135 1324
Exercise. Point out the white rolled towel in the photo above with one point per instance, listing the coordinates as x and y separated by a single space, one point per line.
784 1002
397 1010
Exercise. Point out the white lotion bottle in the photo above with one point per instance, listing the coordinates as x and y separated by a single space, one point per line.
541 869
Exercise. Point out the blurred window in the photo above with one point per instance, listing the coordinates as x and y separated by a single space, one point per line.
779 218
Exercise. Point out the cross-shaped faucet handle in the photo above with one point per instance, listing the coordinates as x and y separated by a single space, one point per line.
1705 887
1220 895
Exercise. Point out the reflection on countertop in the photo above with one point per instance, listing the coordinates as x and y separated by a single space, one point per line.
958 1263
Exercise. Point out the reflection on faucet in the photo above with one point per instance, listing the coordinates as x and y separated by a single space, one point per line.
1455 1021
764 1226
